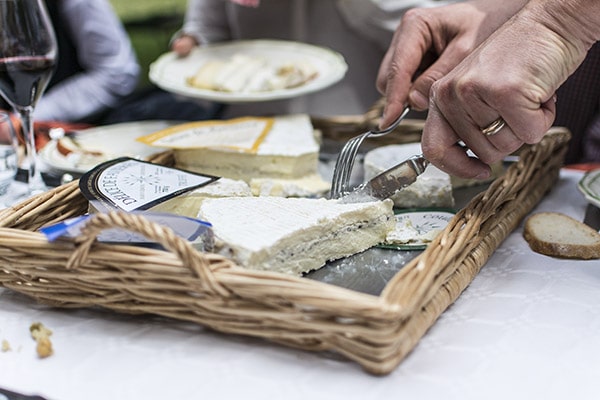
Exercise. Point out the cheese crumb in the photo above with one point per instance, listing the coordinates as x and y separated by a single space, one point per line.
41 335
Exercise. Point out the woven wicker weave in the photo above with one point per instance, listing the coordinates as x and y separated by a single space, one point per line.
375 331
343 127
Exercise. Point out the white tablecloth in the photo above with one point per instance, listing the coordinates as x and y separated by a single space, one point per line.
528 327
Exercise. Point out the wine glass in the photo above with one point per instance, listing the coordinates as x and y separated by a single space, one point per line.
28 53
8 157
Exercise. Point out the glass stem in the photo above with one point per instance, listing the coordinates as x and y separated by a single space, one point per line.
34 177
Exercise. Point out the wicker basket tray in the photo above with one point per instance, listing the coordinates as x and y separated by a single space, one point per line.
375 331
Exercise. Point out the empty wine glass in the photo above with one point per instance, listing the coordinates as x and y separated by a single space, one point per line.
28 53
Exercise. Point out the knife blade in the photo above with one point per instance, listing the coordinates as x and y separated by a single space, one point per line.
10 395
390 181
592 216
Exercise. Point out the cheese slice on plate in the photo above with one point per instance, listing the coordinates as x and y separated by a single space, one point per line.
244 73
294 235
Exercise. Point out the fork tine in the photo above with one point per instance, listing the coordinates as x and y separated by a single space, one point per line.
345 162
344 166
338 176
339 172
349 164
341 169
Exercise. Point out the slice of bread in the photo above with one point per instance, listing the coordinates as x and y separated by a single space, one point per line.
65 146
558 235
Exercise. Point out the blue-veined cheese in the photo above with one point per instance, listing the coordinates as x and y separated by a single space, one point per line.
294 235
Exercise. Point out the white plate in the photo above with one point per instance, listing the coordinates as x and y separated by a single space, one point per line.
114 141
589 185
170 72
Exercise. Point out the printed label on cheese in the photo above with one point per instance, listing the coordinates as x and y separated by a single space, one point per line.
416 228
129 184
240 134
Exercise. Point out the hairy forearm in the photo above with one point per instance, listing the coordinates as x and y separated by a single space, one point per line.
576 21
557 35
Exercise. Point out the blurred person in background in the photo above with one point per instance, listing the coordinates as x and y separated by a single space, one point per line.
96 77
361 30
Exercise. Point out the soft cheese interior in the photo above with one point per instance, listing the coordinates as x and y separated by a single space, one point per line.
188 204
285 163
288 150
294 235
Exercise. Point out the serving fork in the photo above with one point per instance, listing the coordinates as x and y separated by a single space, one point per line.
345 161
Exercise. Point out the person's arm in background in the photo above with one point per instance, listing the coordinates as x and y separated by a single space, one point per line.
205 21
514 75
104 52
377 20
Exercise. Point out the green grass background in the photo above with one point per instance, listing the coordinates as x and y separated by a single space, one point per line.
150 25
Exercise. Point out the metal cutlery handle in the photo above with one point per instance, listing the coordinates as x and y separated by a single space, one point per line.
392 126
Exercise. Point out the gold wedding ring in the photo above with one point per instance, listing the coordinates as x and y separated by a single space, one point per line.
494 127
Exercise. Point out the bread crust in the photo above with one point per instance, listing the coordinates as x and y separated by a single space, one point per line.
558 235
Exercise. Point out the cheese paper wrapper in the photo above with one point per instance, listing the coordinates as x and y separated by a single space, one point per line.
244 134
133 186
128 184
194 230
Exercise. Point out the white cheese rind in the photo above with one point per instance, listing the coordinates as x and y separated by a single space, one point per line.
290 150
188 204
294 235
246 166
307 186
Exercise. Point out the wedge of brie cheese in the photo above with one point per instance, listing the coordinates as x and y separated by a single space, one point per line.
188 204
286 149
276 156
306 186
294 235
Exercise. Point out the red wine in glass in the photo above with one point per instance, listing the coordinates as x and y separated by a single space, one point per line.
28 53
24 78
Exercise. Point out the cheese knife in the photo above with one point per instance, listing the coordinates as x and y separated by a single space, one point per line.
10 395
390 181
592 216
